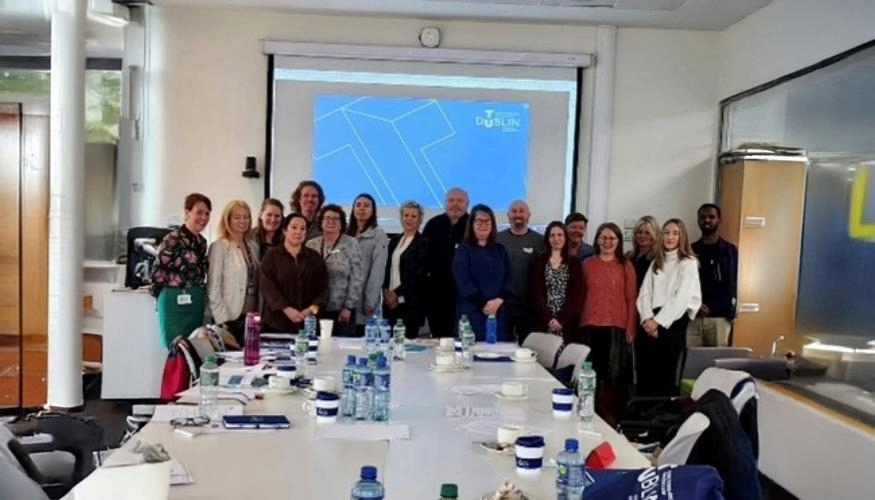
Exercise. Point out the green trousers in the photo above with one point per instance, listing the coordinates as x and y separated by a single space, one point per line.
175 319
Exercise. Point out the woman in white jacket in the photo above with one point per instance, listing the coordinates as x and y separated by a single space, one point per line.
232 284
669 298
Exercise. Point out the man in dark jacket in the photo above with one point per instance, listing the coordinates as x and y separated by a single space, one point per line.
718 278
444 233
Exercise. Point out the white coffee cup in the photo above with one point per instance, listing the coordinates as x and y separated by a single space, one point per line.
447 344
323 383
524 353
279 382
445 358
508 433
514 389
325 327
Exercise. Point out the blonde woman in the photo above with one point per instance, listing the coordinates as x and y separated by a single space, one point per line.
669 298
232 286
645 245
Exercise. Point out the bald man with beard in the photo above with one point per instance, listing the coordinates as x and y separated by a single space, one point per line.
444 232
522 244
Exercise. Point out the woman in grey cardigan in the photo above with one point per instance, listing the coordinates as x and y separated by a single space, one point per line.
344 262
374 245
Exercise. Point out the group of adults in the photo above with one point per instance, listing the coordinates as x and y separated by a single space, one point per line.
637 311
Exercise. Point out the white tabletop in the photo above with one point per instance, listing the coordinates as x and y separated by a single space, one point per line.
295 464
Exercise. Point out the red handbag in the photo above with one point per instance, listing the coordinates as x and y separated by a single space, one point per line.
180 369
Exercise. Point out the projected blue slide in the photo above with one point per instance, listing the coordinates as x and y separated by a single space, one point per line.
404 148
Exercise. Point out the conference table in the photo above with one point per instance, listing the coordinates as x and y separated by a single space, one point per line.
299 463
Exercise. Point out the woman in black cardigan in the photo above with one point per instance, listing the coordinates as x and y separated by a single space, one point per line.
404 284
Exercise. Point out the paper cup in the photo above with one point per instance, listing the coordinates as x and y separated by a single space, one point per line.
325 328
514 389
323 383
529 455
508 433
563 403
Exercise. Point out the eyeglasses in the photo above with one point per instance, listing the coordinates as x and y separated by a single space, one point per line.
482 222
329 218
198 421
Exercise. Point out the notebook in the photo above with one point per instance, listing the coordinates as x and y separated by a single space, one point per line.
256 422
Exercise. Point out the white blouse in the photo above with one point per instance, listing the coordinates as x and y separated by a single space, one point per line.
395 267
674 289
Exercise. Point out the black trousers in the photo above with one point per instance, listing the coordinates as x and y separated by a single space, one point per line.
340 329
657 359
413 320
441 312
520 321
237 327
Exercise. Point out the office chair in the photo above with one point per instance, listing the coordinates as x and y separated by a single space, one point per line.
546 345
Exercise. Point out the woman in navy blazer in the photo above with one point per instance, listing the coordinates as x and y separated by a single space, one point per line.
481 268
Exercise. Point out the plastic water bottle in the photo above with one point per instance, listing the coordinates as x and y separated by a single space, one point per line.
302 345
382 391
449 491
386 339
310 325
468 339
586 384
400 335
491 329
368 488
464 326
570 473
347 396
372 331
363 390
209 387
252 339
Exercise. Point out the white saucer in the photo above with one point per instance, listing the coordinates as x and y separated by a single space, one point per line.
281 391
511 398
497 448
445 368
524 360
487 355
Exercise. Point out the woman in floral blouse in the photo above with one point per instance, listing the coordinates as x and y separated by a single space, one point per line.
180 272
557 284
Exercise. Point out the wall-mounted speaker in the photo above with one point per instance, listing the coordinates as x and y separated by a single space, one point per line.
250 171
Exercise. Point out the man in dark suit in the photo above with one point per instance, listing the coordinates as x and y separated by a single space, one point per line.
444 233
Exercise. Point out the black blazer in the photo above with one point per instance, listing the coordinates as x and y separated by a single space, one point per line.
414 271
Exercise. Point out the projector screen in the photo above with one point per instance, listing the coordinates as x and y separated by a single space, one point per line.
413 130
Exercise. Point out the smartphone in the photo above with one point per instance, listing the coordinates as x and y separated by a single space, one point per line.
235 380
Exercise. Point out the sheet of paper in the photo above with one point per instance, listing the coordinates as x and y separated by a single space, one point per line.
138 482
490 428
166 413
349 345
179 473
486 413
476 390
363 431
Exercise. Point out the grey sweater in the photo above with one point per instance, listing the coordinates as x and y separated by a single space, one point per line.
345 277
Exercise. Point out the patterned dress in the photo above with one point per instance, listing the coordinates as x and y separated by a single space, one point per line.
178 283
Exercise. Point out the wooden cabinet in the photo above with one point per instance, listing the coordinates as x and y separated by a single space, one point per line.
24 203
763 203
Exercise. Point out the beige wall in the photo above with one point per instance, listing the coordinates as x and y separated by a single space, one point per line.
206 80
788 35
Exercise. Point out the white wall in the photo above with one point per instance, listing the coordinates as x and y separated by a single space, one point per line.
788 35
665 124
206 81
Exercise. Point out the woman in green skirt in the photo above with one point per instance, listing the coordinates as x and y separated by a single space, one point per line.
181 271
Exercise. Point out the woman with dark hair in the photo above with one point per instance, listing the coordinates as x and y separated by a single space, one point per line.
343 259
669 298
607 321
373 245
483 276
293 280
267 232
645 246
232 285
181 272
556 284
307 200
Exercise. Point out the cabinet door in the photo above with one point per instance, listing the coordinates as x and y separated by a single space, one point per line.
10 255
769 234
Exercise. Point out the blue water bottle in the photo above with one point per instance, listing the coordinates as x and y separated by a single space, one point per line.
491 329
368 488
382 393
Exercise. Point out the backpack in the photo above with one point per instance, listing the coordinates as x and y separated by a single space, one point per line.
180 370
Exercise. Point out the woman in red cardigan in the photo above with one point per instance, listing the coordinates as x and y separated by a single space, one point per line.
608 319
557 284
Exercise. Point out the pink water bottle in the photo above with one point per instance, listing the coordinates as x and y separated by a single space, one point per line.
252 349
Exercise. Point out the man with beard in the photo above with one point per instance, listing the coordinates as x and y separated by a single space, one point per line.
718 277
521 244
575 224
307 200
444 233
